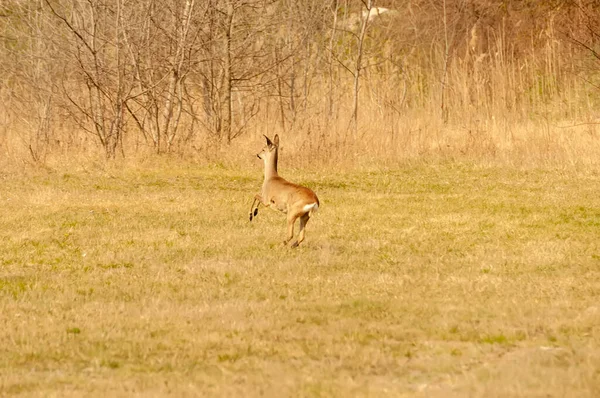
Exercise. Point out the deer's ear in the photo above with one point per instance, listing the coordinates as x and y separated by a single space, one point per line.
269 143
276 139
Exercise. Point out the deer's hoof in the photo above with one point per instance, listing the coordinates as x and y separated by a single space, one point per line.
255 212
250 216
295 244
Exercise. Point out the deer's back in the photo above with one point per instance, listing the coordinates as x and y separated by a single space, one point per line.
280 190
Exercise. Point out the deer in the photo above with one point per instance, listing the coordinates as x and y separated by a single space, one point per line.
279 194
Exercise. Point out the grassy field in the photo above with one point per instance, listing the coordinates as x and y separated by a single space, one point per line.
429 280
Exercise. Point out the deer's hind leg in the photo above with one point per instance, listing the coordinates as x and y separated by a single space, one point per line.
303 220
291 220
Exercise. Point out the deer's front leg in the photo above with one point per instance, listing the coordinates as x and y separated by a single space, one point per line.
253 209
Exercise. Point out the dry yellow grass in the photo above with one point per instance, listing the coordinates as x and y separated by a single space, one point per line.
440 279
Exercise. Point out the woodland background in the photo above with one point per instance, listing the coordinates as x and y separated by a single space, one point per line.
510 80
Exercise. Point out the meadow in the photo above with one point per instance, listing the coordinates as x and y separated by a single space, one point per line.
430 279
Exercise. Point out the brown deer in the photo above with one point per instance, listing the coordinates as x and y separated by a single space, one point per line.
293 199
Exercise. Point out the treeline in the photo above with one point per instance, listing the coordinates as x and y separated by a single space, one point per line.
179 75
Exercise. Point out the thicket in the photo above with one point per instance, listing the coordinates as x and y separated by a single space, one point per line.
392 79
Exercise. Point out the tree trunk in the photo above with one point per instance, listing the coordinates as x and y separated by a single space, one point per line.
227 75
358 67
169 128
331 41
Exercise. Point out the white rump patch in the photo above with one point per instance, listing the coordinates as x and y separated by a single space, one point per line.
311 207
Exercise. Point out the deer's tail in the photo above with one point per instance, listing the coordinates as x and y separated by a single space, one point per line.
311 208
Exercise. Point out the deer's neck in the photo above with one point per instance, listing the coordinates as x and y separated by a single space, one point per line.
271 166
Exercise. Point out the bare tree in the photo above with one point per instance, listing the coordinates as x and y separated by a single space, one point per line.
161 51
330 50
230 10
234 61
364 22
174 96
25 60
96 28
